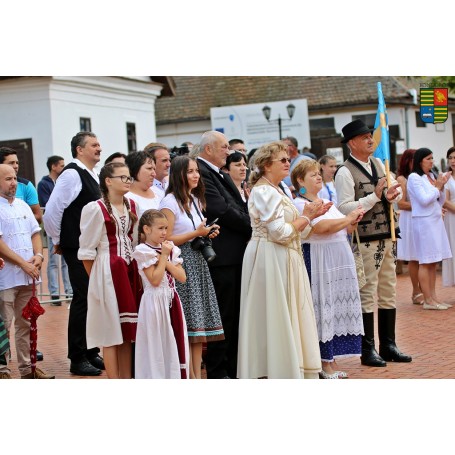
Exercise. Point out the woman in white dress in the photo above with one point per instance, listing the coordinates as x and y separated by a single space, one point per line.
405 244
427 196
142 169
277 330
448 265
108 227
332 272
328 168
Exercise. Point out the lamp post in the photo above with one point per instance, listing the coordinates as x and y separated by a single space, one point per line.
268 110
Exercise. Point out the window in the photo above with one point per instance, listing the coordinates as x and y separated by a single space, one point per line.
419 122
131 137
322 123
85 124
368 119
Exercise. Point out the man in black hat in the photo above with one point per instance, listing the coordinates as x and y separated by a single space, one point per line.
361 180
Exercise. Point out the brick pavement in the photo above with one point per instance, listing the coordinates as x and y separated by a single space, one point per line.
426 335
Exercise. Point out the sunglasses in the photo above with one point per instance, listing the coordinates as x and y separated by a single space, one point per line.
283 160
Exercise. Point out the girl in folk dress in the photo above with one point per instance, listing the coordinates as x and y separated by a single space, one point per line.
106 250
162 350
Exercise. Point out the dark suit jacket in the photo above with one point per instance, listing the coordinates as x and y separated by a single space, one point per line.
225 203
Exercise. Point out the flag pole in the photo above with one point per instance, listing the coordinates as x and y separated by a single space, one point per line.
392 218
385 152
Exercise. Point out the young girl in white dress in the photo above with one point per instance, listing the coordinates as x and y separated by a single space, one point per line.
162 350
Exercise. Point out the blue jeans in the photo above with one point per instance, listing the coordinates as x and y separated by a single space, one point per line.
52 272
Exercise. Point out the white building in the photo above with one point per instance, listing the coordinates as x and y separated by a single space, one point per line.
40 115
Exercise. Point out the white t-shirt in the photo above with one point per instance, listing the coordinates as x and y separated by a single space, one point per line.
182 224
144 203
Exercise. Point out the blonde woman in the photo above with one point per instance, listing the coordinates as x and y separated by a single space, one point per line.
277 330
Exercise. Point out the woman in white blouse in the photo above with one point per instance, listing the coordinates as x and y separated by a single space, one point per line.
426 193
183 206
142 169
277 331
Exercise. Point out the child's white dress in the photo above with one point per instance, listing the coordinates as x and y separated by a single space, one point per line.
157 355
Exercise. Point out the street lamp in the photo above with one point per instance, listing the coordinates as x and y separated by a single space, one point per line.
268 110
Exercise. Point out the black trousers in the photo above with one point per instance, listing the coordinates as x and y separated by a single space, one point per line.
77 322
221 356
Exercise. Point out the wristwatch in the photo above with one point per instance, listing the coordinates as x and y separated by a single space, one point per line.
40 255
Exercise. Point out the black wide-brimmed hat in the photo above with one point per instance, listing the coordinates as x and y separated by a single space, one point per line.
353 129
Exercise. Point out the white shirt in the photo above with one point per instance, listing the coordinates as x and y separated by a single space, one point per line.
144 203
66 190
216 169
159 188
17 226
324 193
182 223
345 188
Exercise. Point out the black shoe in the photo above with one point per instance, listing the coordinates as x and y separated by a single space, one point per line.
39 356
387 347
57 302
371 358
391 353
97 362
84 368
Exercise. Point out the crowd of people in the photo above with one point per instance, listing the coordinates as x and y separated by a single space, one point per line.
210 255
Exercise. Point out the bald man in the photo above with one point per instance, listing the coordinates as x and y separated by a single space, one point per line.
22 250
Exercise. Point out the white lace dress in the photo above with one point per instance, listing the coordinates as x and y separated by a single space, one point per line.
334 288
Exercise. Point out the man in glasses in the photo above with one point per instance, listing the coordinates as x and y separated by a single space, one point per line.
77 185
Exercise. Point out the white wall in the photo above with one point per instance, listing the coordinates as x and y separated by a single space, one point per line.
176 133
25 113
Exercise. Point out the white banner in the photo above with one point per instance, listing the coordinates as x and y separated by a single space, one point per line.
248 122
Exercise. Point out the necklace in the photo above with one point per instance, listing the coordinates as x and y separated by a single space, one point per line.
270 183
304 197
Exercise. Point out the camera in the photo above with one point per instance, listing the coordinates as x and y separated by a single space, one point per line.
204 245
179 151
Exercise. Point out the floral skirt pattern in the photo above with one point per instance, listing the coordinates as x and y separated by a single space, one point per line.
198 298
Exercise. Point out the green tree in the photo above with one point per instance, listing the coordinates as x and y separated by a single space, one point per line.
444 81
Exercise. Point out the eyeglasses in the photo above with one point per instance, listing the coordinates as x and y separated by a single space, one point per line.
123 178
283 160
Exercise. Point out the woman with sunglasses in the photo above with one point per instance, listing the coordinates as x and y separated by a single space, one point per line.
277 331
106 250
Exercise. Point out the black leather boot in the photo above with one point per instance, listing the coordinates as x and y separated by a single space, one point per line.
386 328
369 355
